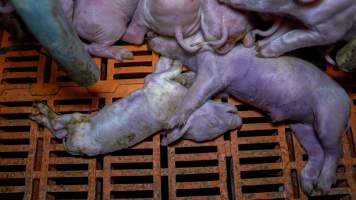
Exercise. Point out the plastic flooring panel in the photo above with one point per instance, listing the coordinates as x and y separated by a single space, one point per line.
260 161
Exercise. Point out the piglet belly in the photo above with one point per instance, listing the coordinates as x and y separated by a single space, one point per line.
163 99
125 124
100 21
168 17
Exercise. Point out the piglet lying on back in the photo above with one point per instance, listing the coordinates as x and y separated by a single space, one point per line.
287 88
327 21
141 114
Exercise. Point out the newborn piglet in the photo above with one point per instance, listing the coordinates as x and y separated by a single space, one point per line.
286 88
141 114
326 22
102 23
222 26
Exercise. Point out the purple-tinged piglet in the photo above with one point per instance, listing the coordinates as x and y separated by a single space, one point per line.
169 18
326 22
223 26
287 88
102 23
141 114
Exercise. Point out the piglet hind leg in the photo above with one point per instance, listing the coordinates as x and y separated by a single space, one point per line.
136 30
296 39
109 51
330 127
308 139
135 34
73 128
50 119
59 125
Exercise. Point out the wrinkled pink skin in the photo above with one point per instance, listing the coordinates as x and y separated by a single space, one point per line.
166 17
328 21
223 26
101 23
287 88
141 114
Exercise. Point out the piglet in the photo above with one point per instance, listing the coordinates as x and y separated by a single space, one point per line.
287 88
223 26
170 18
102 23
326 21
141 114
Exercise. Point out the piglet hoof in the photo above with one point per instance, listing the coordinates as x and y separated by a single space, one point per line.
307 183
174 136
164 141
326 180
126 56
121 54
49 119
177 121
327 176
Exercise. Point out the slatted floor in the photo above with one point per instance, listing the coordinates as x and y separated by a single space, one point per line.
260 161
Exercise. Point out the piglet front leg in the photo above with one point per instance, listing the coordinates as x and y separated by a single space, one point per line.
207 84
203 126
109 50
136 31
